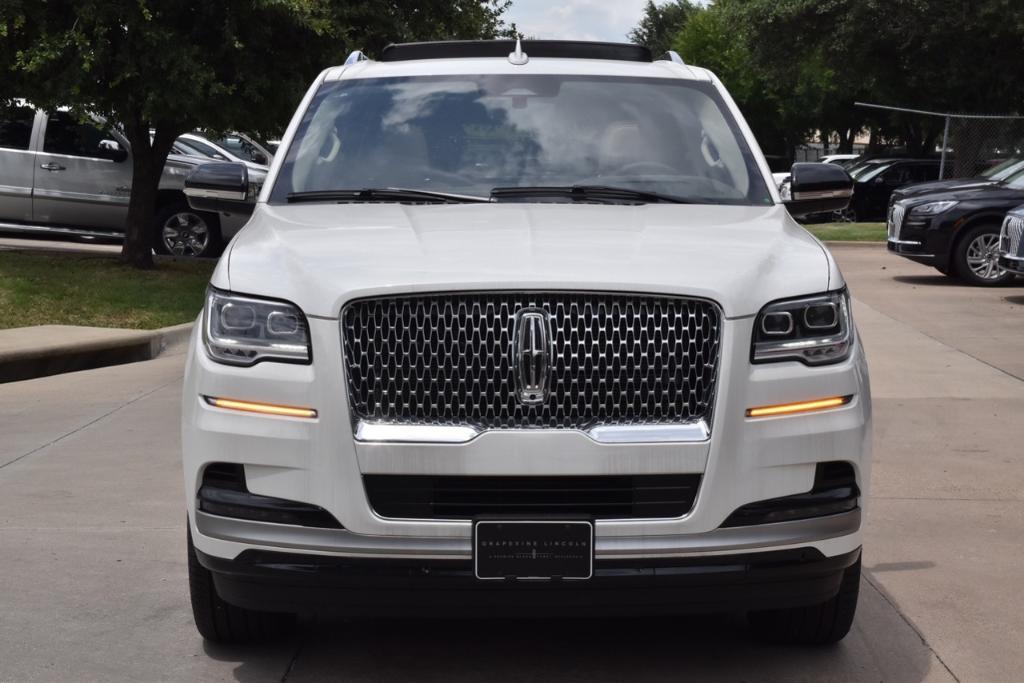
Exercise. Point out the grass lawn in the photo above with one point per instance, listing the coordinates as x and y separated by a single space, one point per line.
43 288
848 232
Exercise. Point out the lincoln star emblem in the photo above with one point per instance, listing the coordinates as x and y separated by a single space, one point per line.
532 356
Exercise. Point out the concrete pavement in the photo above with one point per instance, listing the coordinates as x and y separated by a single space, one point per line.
92 571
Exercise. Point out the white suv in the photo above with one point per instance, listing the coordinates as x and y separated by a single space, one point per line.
524 329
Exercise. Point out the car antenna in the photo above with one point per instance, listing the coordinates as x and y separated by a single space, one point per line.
518 57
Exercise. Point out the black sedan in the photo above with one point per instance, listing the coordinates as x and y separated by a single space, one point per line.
876 179
956 231
994 175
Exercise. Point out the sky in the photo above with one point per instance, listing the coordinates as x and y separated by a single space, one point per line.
576 19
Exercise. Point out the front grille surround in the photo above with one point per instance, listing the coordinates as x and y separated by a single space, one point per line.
896 215
446 359
1011 239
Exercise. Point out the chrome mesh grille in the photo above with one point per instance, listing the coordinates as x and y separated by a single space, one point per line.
895 220
447 359
1010 241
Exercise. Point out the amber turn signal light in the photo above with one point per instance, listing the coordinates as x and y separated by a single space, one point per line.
800 407
261 408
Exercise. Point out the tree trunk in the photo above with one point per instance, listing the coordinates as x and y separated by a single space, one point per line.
846 136
148 159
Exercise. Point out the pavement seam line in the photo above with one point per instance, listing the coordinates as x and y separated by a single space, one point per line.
294 659
939 341
90 423
908 622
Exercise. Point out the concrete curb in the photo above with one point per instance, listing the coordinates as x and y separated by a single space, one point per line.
848 243
27 353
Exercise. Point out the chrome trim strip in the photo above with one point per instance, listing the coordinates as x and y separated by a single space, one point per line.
822 194
349 544
690 432
46 229
92 198
205 193
909 243
374 432
399 433
15 191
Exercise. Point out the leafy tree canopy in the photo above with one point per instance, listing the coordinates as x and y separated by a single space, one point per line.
158 68
660 23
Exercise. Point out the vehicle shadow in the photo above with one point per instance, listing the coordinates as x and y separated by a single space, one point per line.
936 280
882 646
1016 299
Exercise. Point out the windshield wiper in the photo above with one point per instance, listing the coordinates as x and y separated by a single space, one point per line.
383 194
587 193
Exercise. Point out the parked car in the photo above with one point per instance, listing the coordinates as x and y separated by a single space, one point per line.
839 158
876 180
530 333
62 175
1011 242
990 176
213 150
243 147
957 230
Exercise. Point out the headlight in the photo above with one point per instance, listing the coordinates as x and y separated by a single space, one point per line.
815 330
242 330
933 208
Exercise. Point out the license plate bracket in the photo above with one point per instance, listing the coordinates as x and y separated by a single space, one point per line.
533 550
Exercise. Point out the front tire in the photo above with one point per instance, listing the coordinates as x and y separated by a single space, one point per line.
179 230
822 624
975 257
219 622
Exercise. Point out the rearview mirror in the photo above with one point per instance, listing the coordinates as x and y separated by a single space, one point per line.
219 186
818 188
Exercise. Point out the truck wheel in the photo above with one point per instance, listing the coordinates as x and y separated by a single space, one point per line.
219 622
820 624
975 257
179 230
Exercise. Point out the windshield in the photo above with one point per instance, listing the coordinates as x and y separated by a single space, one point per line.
470 134
205 149
243 148
1004 170
1016 180
869 171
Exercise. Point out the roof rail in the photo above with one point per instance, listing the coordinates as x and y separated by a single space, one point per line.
672 56
355 57
564 49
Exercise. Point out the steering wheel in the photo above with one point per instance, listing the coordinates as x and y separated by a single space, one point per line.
646 168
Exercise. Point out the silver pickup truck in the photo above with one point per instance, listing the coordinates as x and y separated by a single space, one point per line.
60 175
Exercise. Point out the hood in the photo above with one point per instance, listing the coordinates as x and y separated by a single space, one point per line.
942 186
991 192
321 255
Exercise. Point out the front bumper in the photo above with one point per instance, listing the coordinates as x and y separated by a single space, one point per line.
1014 264
281 582
318 461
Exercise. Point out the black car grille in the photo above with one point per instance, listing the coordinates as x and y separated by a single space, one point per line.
465 497
447 359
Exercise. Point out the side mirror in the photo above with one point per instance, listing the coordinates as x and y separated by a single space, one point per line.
112 150
219 186
259 158
818 188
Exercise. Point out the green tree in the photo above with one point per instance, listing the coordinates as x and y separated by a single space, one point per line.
780 104
660 23
160 68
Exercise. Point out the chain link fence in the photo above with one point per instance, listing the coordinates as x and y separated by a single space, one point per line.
966 144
